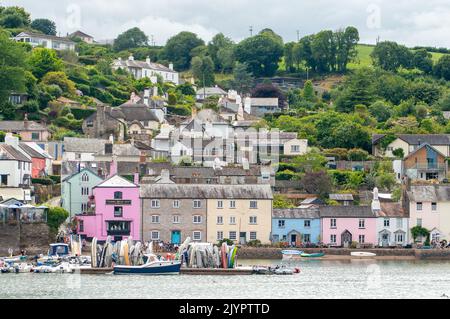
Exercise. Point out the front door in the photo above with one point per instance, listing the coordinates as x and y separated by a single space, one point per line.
243 238
176 237
385 240
293 239
346 239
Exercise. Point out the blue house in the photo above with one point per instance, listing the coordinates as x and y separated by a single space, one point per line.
76 189
296 225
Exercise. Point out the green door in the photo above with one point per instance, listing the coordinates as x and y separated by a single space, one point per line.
176 237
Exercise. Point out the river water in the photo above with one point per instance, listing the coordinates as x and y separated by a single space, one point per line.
318 279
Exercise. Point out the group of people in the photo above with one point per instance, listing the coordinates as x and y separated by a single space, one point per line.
161 246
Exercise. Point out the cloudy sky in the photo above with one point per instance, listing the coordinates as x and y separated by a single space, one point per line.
411 22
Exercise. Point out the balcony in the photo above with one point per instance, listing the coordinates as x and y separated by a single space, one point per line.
428 167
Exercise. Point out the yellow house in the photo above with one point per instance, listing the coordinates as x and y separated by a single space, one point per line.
243 217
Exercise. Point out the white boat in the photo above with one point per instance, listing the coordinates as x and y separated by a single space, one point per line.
362 254
291 253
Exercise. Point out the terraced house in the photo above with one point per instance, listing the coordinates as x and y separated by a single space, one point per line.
206 213
296 226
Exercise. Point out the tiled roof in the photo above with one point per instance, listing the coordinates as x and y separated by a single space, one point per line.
346 211
429 193
265 101
341 197
392 210
211 91
293 213
117 181
143 65
30 151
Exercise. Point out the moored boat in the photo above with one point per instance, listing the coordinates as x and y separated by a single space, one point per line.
314 255
152 266
291 253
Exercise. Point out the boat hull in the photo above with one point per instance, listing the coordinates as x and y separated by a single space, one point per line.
171 269
317 255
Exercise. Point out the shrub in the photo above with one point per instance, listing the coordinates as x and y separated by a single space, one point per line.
398 152
42 181
254 243
286 175
225 240
55 217
30 106
357 154
55 178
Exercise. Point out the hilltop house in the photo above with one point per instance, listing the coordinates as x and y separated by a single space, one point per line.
147 69
46 41
29 131
206 92
83 36
260 106
425 163
76 190
296 226
409 143
137 118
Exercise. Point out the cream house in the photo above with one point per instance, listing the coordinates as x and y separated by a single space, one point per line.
429 207
409 143
241 213
295 147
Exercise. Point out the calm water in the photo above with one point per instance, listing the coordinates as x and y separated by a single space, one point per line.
318 279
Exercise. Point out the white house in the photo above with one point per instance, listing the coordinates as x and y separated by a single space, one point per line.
82 149
46 41
147 69
15 166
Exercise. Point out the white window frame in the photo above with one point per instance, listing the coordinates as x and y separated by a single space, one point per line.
155 232
253 220
362 224
219 220
253 204
220 204
156 219
333 223
231 237
176 219
232 204
219 235
232 220
176 204
333 239
155 203
253 235
196 232
197 219
196 204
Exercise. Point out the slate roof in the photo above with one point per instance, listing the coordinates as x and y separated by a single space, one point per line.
134 112
30 151
392 210
81 34
17 126
200 191
142 65
81 171
294 213
8 152
341 197
429 193
84 145
346 212
417 139
265 101
211 91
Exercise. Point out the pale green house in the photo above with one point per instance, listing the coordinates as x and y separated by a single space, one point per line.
76 189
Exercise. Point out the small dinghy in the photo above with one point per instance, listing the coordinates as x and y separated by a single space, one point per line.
362 254
152 266
315 255
291 253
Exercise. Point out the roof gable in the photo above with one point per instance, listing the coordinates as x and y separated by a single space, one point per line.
117 181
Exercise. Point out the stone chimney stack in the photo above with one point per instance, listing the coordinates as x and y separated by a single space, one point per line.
171 66
12 140
136 176
131 57
147 96
113 167
376 206
147 60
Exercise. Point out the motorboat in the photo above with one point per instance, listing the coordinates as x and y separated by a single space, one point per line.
152 266
314 255
291 253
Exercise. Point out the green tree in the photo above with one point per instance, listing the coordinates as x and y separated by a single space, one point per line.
308 92
178 49
242 78
442 67
132 38
56 216
12 68
220 49
358 89
44 60
280 201
45 26
203 70
380 110
422 60
60 79
317 183
261 53
390 56
14 17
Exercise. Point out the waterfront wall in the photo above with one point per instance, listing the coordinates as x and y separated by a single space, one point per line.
275 253
34 238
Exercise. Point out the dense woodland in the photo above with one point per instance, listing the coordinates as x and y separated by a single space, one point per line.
350 91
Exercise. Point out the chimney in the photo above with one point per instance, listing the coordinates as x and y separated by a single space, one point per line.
25 121
171 66
376 206
12 140
136 176
131 58
165 177
148 60
111 139
113 167
147 96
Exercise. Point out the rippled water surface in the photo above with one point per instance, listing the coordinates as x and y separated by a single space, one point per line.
318 279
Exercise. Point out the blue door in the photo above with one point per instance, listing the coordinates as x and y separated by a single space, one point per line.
176 237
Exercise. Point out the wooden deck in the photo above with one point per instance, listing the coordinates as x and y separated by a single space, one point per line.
184 271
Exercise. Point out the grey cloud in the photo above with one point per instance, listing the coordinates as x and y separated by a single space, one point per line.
410 22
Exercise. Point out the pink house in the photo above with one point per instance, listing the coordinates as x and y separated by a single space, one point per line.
342 225
117 211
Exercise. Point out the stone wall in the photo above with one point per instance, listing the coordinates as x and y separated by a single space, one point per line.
34 238
43 193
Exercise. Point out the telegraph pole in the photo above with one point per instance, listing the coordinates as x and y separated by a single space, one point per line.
298 35
251 30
